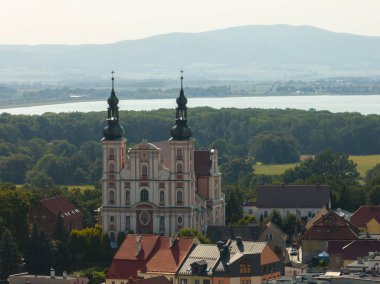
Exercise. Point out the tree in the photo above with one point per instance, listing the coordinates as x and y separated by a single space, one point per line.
191 232
275 217
10 259
60 256
248 219
275 148
234 201
37 253
374 195
59 231
120 238
291 224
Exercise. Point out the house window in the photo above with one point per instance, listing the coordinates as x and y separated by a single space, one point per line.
112 196
144 170
245 281
197 281
179 154
179 168
35 218
309 214
265 214
144 195
111 168
250 211
220 282
269 237
179 197
127 197
127 223
162 197
245 267
206 281
183 281
43 218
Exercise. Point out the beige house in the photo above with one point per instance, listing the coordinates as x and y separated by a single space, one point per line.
25 278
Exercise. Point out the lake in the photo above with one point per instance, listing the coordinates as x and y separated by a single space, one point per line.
369 104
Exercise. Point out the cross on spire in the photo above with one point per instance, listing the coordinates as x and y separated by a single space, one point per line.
113 79
181 77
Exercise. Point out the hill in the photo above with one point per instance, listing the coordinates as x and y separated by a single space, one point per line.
248 52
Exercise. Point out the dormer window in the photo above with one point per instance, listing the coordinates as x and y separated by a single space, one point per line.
245 267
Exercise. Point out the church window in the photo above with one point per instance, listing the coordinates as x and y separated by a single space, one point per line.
112 196
144 195
245 267
144 170
127 197
127 224
162 197
144 217
111 154
111 168
112 219
179 197
179 154
179 219
179 168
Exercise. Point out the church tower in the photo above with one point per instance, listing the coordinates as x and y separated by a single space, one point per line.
114 159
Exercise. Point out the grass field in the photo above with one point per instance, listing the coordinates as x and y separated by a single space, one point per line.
364 164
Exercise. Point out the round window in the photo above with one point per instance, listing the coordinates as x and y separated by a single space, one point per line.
112 219
144 217
179 219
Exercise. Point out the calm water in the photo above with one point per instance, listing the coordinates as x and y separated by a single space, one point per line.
363 104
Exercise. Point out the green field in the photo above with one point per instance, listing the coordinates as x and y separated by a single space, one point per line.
364 164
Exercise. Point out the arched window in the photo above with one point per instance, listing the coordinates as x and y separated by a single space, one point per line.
111 168
179 168
144 195
112 219
179 197
111 154
179 154
144 170
162 197
112 196
127 197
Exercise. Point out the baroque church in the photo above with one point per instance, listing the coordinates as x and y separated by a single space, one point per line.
158 187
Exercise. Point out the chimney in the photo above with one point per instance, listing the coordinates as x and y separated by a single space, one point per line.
220 245
52 272
239 241
138 244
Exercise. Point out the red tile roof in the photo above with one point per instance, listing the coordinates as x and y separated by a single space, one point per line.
202 162
364 214
336 247
360 248
155 255
152 280
61 203
331 227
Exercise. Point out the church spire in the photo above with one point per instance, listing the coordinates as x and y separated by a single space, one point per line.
180 131
113 131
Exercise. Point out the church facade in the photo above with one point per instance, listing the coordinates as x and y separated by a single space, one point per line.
158 187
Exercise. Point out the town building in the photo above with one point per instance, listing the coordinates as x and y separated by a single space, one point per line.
44 214
327 227
367 219
303 201
147 256
25 278
158 187
269 233
236 261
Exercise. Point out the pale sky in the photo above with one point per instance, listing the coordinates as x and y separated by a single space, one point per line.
108 21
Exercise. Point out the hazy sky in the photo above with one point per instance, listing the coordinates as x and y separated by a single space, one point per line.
107 21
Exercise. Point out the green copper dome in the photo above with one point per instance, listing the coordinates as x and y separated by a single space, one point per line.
113 130
180 131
